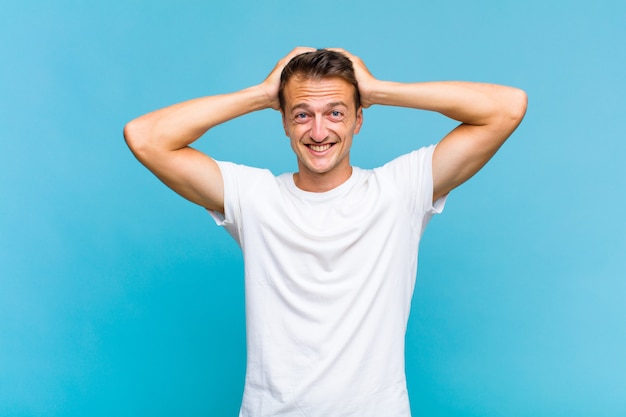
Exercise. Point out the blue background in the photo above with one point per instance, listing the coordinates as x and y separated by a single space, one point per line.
118 298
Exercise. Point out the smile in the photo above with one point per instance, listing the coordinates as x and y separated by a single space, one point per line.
320 148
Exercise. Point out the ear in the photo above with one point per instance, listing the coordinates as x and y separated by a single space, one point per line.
359 120
282 114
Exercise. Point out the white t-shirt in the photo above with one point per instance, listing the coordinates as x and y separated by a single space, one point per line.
329 279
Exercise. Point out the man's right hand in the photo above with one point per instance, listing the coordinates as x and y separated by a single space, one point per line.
272 83
160 140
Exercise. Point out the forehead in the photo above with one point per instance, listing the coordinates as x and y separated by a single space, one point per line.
299 90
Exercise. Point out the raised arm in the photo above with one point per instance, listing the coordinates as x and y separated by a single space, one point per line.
160 140
488 114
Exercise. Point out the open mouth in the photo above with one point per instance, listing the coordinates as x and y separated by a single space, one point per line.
321 148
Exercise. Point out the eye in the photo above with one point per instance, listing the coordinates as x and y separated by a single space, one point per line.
300 117
336 114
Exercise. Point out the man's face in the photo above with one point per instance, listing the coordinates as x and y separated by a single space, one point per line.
320 119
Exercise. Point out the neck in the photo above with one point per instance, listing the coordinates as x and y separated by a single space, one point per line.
320 183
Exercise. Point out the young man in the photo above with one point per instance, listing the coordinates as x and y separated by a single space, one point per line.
330 251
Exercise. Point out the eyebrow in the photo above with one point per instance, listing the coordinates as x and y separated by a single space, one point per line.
328 106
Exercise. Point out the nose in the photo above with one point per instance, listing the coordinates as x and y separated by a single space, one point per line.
319 132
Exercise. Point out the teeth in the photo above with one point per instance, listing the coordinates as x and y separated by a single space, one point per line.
320 148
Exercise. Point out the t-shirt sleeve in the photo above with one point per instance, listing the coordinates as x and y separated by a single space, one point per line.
412 174
238 180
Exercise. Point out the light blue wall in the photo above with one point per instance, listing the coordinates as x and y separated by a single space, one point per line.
118 298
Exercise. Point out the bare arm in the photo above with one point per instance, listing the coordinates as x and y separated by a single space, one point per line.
161 139
488 114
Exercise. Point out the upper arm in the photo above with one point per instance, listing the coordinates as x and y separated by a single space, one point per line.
465 150
187 171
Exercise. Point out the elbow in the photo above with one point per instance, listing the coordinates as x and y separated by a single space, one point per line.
517 104
510 112
136 137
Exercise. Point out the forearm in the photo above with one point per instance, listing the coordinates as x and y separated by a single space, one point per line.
177 126
488 114
470 103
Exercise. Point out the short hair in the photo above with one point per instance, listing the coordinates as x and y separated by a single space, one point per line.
318 65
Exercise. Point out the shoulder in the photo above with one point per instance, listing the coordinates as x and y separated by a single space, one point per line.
243 181
232 168
234 173
413 162
411 176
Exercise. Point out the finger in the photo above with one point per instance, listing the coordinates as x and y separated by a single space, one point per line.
342 51
356 61
299 51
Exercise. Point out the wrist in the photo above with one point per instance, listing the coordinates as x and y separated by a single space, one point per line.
377 92
261 98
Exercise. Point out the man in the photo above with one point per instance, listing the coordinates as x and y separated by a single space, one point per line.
330 251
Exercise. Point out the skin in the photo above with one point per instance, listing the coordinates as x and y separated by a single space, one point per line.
488 114
320 119
321 113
